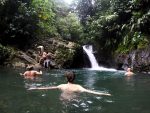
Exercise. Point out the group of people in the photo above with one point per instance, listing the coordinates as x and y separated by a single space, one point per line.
31 73
69 87
44 58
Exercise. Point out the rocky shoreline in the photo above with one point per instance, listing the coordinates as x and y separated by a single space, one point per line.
66 54
139 60
61 53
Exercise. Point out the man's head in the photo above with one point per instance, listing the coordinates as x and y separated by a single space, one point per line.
70 76
129 69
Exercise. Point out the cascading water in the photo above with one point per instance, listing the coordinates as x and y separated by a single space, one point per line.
94 64
89 52
133 59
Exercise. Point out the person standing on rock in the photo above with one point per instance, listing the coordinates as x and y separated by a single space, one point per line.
42 55
47 60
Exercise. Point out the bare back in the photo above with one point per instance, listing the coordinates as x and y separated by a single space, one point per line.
129 73
31 73
71 88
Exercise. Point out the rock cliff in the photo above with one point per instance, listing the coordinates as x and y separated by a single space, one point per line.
139 60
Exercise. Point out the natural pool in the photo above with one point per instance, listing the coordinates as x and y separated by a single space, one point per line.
129 94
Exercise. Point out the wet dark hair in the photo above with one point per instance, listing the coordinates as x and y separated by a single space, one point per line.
70 76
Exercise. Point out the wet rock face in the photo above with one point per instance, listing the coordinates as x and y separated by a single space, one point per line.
80 59
61 54
139 60
62 51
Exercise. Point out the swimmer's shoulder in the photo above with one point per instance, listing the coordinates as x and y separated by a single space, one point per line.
61 86
79 88
129 73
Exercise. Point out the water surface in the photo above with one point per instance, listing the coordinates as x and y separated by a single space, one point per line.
129 94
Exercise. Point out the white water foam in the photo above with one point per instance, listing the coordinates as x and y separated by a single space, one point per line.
94 64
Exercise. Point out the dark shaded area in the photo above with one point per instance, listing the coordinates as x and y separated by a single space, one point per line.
80 59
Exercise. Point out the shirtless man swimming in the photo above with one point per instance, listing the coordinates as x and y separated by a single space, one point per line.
129 72
31 73
70 87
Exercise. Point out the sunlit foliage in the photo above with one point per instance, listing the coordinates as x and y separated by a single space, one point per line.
111 25
116 24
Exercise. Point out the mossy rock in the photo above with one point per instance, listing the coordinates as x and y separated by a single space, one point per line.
6 54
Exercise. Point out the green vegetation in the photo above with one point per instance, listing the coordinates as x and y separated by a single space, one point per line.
111 25
116 25
5 53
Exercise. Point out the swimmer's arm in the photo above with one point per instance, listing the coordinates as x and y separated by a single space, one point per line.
51 87
97 93
129 74
23 74
44 88
94 92
39 73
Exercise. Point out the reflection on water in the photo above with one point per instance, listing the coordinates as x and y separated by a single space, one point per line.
90 80
65 96
129 94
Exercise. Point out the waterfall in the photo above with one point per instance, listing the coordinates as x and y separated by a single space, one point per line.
94 64
133 59
89 52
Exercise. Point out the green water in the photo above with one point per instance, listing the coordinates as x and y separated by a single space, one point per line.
129 94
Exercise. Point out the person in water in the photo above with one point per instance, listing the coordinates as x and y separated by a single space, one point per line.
31 73
129 72
70 87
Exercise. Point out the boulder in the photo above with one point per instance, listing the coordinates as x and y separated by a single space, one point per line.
25 57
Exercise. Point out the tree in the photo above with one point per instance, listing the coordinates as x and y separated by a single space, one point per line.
18 23
69 27
46 17
84 9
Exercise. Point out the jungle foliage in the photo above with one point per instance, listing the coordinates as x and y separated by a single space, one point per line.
26 21
111 25
115 25
23 22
